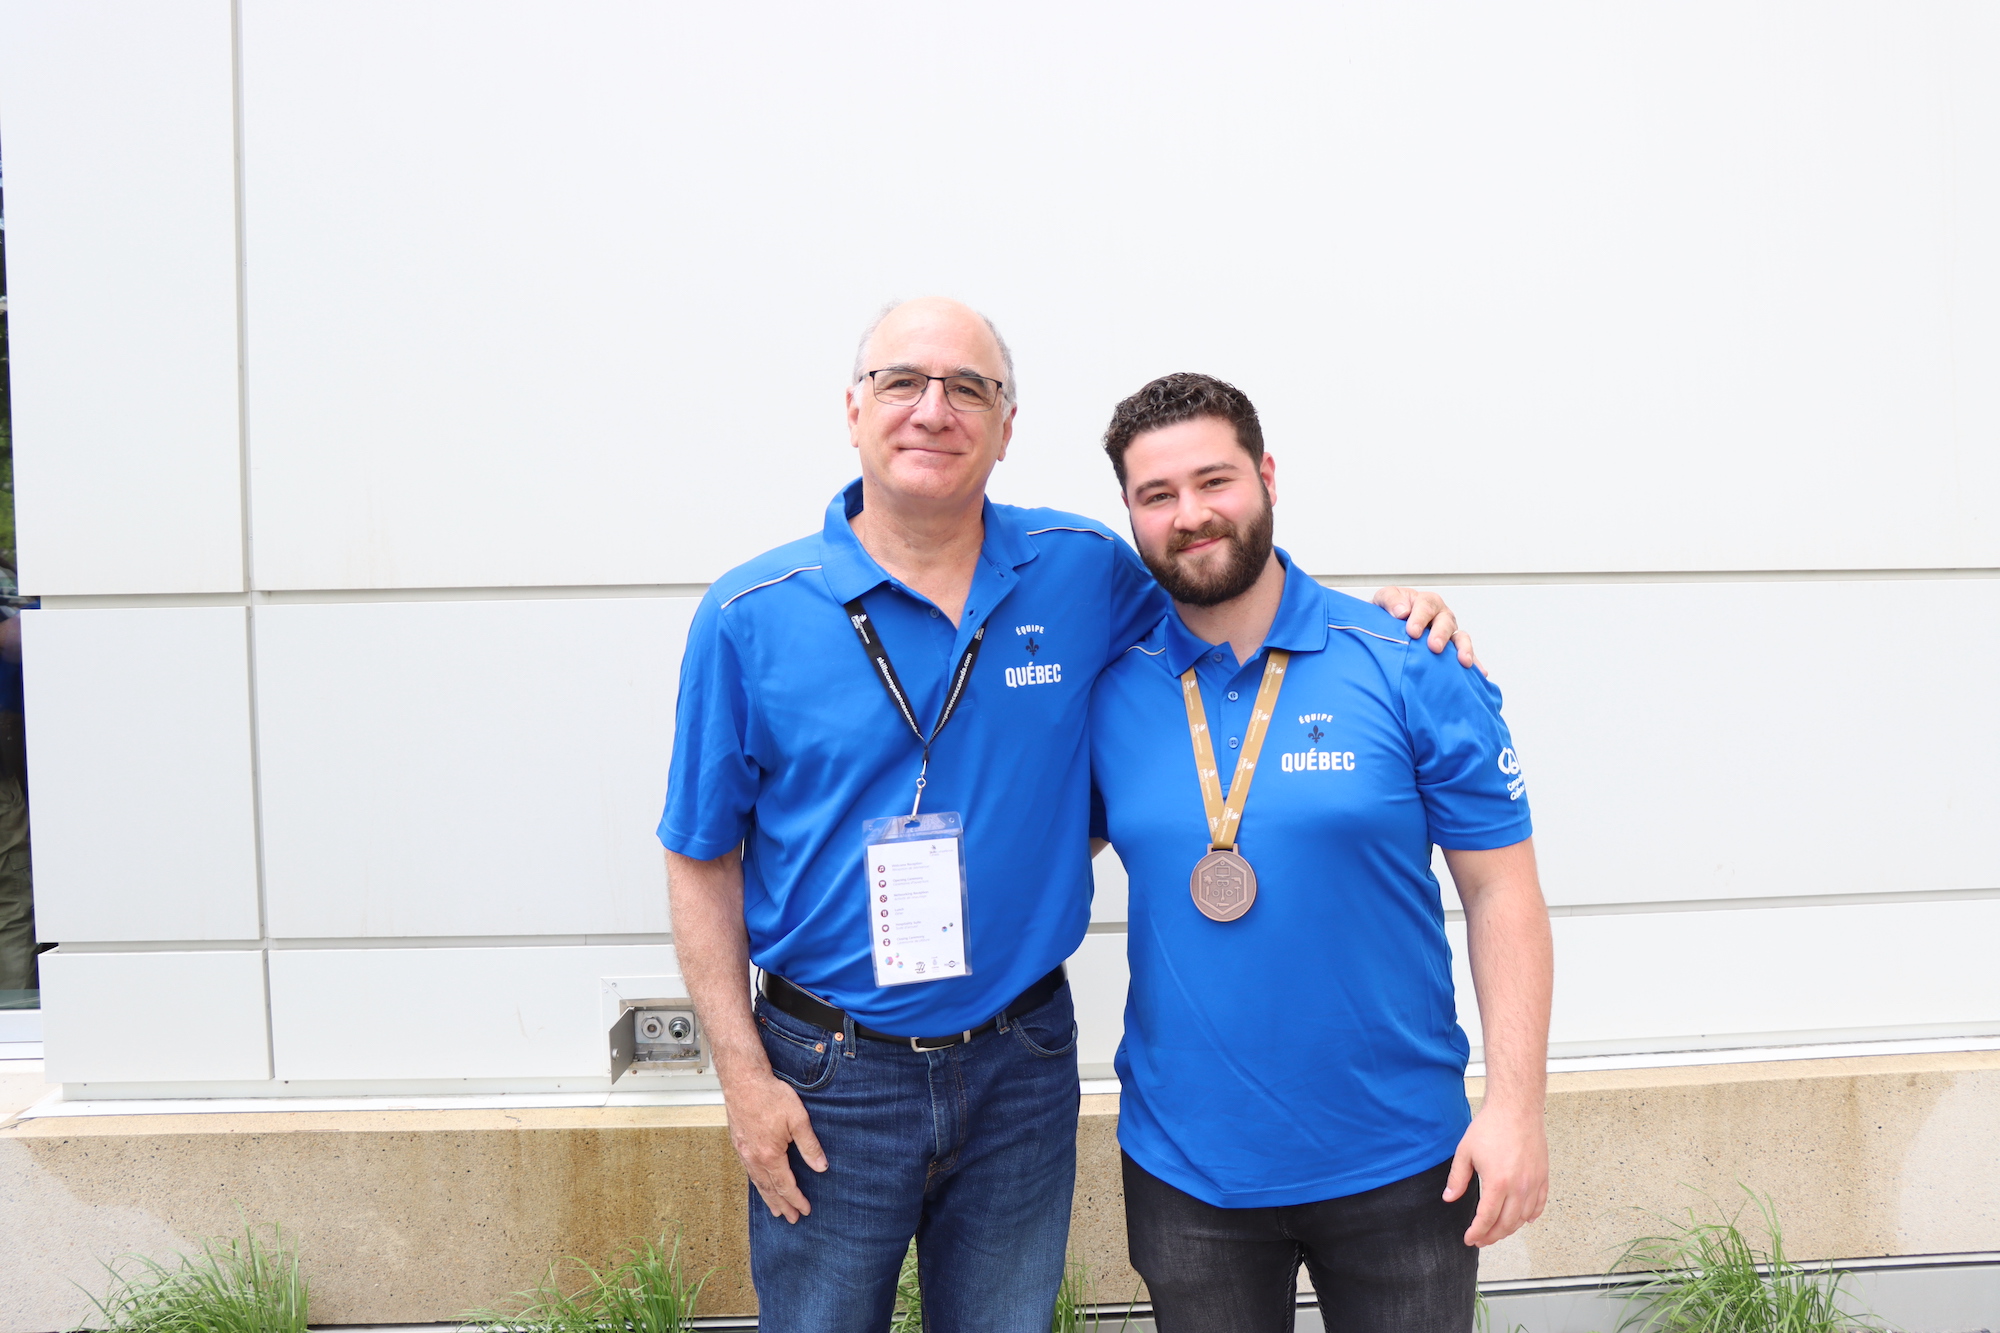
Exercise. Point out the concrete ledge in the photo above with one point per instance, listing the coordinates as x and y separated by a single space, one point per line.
412 1216
1875 1156
416 1216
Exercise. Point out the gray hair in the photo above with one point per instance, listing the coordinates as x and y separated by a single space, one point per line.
861 348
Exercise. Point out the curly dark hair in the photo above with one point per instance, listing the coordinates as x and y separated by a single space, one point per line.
1182 396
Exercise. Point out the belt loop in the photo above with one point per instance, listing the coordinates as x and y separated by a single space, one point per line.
847 1037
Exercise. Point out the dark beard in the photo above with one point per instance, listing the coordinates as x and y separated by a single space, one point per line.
1249 552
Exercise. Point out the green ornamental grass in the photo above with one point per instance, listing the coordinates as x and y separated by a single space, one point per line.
1482 1316
646 1290
1072 1299
909 1314
242 1284
1712 1277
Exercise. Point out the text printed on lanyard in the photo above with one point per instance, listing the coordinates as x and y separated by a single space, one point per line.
885 671
1224 817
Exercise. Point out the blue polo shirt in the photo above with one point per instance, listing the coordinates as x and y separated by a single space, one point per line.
1311 1048
785 741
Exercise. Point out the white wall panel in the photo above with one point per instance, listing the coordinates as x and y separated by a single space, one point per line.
154 1017
467 768
542 297
1098 977
1730 740
566 296
1112 889
1672 981
448 1013
121 268
139 750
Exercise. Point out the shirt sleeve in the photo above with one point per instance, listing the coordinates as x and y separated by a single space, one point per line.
1137 602
713 783
1475 798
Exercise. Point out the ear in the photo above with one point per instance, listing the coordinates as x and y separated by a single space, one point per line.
854 415
1007 432
1268 470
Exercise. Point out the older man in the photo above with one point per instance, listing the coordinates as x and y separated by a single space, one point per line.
880 796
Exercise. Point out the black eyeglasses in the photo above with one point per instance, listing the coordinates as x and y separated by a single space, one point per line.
966 393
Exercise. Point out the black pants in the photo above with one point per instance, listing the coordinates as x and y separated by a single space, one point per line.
1390 1260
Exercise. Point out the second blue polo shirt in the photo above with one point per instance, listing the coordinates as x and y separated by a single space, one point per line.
1311 1049
785 742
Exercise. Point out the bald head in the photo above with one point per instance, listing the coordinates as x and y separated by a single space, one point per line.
934 318
929 455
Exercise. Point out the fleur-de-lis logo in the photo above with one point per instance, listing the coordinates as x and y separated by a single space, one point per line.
1032 646
1316 734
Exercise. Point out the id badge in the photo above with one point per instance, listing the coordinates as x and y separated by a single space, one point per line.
916 897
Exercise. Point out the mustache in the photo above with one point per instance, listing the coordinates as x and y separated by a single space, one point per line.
1210 531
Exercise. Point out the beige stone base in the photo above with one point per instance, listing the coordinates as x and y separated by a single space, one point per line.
1886 1155
417 1216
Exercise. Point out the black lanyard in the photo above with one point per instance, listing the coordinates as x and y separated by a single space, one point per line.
961 676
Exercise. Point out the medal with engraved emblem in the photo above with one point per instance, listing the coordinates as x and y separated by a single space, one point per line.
1223 884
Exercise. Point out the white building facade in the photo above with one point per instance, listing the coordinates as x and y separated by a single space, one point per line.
391 380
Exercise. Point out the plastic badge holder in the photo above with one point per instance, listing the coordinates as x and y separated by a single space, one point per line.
916 897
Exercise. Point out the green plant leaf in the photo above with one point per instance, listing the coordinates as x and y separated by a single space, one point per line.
1072 1299
1714 1277
645 1290
239 1284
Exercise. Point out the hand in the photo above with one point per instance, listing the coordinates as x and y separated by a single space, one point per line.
1426 610
765 1118
1510 1151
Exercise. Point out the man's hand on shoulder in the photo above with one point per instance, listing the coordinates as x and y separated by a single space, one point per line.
1427 611
1510 1151
766 1118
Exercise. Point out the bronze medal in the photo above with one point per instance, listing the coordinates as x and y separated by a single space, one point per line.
1223 885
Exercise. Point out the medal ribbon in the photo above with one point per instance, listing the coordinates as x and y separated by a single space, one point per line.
885 670
1224 817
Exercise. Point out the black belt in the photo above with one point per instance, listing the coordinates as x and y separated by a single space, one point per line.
783 995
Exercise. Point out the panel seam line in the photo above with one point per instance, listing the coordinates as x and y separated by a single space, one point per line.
245 510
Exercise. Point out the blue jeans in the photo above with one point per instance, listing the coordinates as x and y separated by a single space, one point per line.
970 1149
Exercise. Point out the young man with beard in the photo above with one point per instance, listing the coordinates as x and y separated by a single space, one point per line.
1293 1069
925 653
